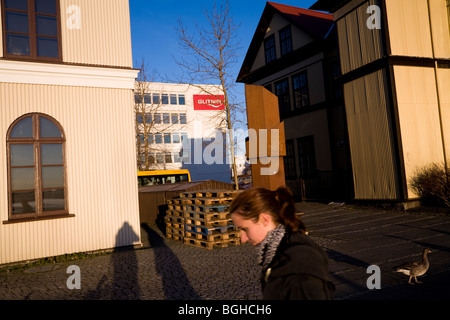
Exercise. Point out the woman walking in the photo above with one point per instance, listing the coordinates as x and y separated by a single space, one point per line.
293 266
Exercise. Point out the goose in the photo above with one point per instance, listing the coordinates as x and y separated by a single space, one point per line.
415 268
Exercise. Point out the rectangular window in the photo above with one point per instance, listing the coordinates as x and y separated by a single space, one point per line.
269 49
167 138
176 138
177 158
173 99
181 100
150 138
166 118
147 98
168 158
282 92
151 158
174 118
182 118
184 138
300 87
160 158
285 40
157 118
158 138
148 118
307 156
164 98
137 98
156 98
31 29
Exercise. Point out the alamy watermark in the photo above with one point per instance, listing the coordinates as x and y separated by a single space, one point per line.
215 150
374 21
73 281
73 21
374 281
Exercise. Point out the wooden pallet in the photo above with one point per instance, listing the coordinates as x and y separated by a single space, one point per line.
208 223
175 233
212 237
197 215
174 237
209 231
175 213
201 219
207 201
210 194
175 207
174 219
211 244
174 222
176 201
207 209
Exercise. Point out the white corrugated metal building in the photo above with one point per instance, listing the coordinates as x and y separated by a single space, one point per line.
68 174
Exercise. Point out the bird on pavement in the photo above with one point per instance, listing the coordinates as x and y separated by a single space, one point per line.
415 268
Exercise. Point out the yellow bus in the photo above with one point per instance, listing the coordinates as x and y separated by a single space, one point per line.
151 178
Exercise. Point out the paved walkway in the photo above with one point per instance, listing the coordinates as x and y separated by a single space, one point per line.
354 238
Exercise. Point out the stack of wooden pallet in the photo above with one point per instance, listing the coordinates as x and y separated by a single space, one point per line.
201 218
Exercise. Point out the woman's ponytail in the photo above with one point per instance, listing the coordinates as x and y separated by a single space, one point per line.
287 210
280 204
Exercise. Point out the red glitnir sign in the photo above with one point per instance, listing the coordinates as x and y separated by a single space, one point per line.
209 102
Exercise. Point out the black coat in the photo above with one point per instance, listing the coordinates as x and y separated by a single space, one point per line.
298 271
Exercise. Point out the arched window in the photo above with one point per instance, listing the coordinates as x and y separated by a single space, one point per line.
36 168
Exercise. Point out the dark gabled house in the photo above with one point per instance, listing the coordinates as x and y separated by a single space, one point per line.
294 55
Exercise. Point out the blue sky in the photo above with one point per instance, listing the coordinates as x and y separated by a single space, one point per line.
153 24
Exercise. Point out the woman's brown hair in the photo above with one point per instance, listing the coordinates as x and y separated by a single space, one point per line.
279 204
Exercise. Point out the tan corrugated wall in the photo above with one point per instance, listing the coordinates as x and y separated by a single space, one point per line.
370 138
444 94
419 118
104 35
358 45
440 28
101 170
409 28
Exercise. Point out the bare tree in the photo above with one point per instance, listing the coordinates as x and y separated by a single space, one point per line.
210 54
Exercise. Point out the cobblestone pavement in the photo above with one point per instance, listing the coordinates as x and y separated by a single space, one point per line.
353 237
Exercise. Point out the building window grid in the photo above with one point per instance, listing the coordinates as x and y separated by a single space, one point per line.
35 144
31 29
301 91
161 99
283 93
285 40
269 49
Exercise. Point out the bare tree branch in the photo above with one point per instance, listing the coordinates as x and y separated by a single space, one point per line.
210 52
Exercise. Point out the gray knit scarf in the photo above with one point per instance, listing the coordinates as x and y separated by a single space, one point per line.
267 248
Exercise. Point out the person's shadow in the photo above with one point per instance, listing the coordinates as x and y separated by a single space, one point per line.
176 284
125 284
